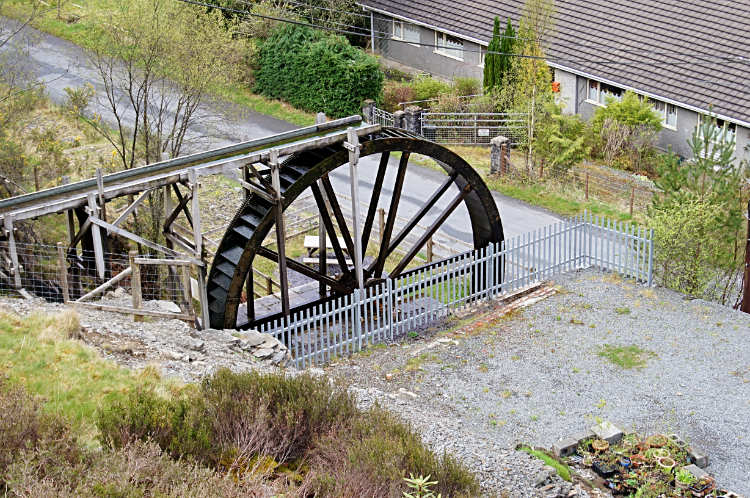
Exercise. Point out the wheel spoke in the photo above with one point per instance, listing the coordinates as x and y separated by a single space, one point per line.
393 208
305 270
339 215
393 244
329 229
430 232
374 200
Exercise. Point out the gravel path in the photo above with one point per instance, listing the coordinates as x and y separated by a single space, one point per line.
537 375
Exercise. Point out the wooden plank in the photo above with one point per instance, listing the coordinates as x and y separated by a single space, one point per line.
330 261
257 190
106 285
62 267
97 236
133 206
77 238
8 222
187 291
137 313
278 210
174 214
143 241
100 191
149 261
135 285
198 241
312 242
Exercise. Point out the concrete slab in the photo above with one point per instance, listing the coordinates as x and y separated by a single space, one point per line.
587 434
607 431
564 447
698 456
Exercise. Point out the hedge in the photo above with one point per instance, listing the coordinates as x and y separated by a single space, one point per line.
317 72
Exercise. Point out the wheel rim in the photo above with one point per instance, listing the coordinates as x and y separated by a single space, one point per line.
242 241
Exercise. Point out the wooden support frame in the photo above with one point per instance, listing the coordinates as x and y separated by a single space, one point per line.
278 209
198 241
106 285
135 286
132 207
352 144
96 234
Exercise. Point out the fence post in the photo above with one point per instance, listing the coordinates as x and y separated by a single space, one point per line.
429 250
358 319
367 110
135 284
11 236
541 169
632 198
398 119
587 186
187 292
389 312
651 258
498 150
413 119
63 269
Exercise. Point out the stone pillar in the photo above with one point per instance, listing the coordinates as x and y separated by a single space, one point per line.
413 119
367 111
399 120
498 148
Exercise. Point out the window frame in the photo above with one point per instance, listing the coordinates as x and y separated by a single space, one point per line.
663 109
601 92
723 126
444 50
403 25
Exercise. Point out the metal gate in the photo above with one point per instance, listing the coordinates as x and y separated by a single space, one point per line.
474 128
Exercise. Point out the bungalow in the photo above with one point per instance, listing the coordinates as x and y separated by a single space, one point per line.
686 57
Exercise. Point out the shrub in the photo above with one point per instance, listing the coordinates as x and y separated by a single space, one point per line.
561 140
466 86
426 88
317 71
304 428
630 111
394 93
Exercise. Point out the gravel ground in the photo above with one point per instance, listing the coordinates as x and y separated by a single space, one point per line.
536 375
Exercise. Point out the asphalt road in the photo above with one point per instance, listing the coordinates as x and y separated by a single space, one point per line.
61 64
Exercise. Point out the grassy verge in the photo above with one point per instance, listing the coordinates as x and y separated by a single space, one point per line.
544 193
39 352
562 469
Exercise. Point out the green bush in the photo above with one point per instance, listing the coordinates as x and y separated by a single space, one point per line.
561 139
426 88
630 111
317 71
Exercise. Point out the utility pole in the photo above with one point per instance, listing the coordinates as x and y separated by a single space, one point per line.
745 304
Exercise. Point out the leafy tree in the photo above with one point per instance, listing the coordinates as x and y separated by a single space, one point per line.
536 27
630 110
709 183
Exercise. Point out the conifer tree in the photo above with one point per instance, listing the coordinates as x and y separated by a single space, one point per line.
492 59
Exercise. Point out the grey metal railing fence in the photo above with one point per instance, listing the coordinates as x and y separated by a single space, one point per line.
394 308
473 128
382 117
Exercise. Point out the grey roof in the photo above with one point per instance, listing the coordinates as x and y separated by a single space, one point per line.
693 52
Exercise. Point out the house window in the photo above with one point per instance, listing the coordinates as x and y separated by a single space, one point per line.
406 31
724 132
598 92
668 113
449 45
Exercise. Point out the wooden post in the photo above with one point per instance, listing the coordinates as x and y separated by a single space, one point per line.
9 233
100 191
269 286
135 285
429 250
187 292
273 162
381 223
96 234
62 268
745 304
70 223
249 286
587 186
632 199
198 240
353 146
541 168
503 158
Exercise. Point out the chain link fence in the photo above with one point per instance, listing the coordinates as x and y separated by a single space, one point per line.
474 128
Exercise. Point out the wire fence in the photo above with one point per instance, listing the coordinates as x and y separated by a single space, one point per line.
395 307
41 272
604 184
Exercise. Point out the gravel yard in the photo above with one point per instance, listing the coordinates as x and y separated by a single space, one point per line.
547 371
